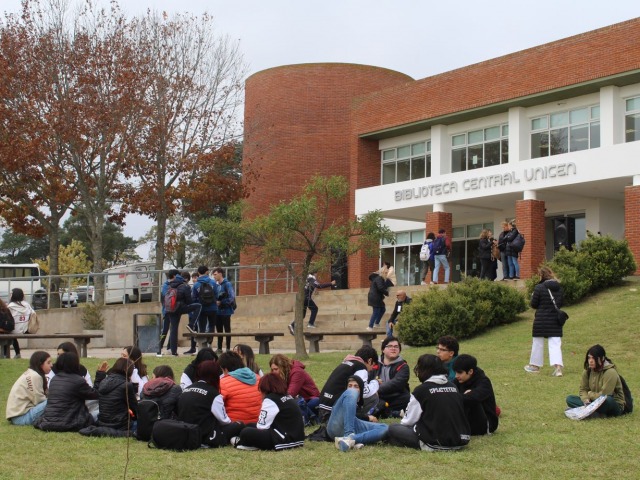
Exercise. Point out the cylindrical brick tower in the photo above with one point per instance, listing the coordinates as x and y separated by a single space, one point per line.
297 124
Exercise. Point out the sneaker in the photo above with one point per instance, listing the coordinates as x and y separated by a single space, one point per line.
422 283
291 329
190 352
159 354
219 351
557 372
246 447
345 444
175 355
532 369
191 330
234 441
369 329
17 355
310 326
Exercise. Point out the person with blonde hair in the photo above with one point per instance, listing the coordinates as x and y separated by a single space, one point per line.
545 323
300 385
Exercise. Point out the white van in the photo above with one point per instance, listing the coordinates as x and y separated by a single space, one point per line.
129 283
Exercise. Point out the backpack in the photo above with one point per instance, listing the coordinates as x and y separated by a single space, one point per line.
7 323
207 294
170 434
171 303
628 399
439 246
148 415
517 244
424 252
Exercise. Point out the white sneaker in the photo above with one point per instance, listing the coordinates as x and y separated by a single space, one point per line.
369 329
159 354
532 369
234 441
557 372
422 283
291 329
345 444
310 326
246 447
358 446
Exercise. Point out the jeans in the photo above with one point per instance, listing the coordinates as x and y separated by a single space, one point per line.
376 315
441 260
514 268
309 409
505 265
343 421
610 408
31 416
311 305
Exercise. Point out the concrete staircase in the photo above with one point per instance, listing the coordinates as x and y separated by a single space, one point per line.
338 310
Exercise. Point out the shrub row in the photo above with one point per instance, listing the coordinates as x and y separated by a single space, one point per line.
462 310
596 263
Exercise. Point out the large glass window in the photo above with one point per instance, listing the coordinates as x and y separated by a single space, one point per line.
404 255
480 148
408 162
564 132
632 120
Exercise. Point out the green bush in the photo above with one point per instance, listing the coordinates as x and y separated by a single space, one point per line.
595 264
461 310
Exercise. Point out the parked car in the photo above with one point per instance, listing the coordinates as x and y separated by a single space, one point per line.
67 300
84 293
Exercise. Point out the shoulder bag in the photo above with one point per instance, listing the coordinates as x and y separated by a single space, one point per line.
562 315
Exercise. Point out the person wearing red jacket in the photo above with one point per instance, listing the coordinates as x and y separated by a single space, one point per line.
300 385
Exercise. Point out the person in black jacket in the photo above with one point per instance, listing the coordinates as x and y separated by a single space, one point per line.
184 299
512 254
502 246
402 299
375 299
66 410
477 393
435 418
545 323
280 425
117 402
484 253
163 390
393 376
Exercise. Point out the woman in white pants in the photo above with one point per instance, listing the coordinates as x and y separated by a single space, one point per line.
545 323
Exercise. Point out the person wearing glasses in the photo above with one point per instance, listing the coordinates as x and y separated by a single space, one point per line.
393 377
402 299
447 352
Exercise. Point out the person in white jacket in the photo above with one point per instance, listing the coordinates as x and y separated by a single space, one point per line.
20 311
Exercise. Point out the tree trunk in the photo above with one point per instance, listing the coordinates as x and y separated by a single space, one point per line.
301 349
54 268
97 227
161 232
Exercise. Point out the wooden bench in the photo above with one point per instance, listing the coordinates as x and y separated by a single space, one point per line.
80 339
316 337
263 338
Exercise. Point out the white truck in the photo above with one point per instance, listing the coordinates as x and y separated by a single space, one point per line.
129 283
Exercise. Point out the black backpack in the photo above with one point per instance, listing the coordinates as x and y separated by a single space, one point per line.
207 294
439 246
170 434
7 323
628 399
148 415
517 244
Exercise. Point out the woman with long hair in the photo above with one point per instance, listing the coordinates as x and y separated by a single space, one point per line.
28 397
118 404
248 357
545 323
139 376
600 377
484 253
20 310
280 424
299 383
189 374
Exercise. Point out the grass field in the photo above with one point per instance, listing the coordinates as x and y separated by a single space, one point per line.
534 439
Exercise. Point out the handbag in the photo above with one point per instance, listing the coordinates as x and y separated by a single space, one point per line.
562 315
34 323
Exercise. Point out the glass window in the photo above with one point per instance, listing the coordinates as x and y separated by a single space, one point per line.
458 232
388 173
485 148
458 160
491 154
594 133
403 171
403 238
579 138
633 104
559 141
417 167
579 116
407 162
539 144
388 155
417 149
417 236
559 119
492 133
476 137
632 120
539 123
458 140
473 231
579 130
404 152
475 157
595 113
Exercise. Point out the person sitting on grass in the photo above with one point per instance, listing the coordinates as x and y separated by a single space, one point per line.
28 396
600 377
435 419
163 390
447 351
477 393
189 374
360 364
66 410
299 383
202 404
393 376
239 388
349 425
118 403
280 424
139 376
248 358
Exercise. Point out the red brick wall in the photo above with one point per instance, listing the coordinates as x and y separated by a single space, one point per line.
632 221
530 223
298 124
582 58
436 221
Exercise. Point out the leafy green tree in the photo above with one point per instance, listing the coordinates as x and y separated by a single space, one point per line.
302 234
73 260
19 248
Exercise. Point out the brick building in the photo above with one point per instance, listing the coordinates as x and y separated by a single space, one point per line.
548 136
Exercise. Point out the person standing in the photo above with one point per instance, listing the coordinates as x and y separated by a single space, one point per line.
545 323
205 291
20 311
184 305
484 253
375 299
426 255
441 248
512 252
226 302
309 289
502 246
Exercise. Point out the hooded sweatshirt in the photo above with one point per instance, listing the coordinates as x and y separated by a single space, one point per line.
20 311
301 383
165 393
242 399
603 382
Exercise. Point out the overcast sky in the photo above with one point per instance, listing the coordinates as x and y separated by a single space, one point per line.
417 37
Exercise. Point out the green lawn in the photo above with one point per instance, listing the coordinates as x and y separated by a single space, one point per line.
534 439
